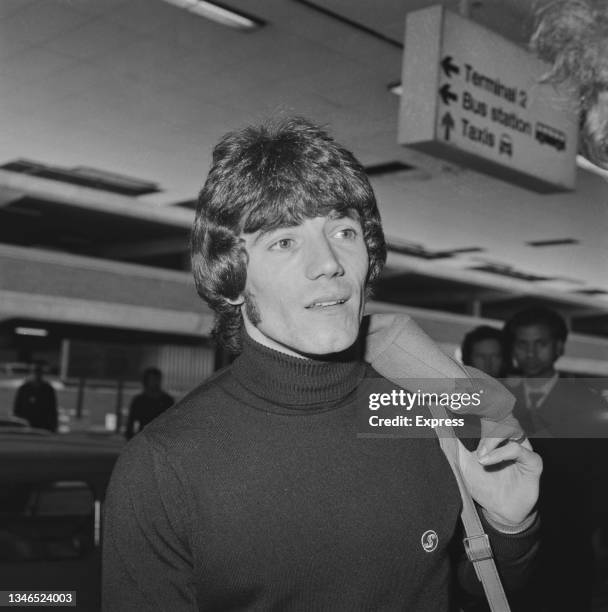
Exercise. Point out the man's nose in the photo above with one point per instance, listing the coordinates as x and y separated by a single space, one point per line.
323 260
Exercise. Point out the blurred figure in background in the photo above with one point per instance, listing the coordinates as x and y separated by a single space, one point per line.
36 401
484 348
560 415
149 404
549 405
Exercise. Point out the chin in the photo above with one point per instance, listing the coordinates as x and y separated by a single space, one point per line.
333 343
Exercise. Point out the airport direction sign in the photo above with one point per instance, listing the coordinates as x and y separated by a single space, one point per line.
473 97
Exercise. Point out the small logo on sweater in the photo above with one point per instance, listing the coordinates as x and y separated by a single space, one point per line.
429 540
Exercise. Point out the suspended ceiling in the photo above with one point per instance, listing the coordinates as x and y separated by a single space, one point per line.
144 89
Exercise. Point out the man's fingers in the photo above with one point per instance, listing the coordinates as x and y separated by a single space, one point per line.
487 445
512 451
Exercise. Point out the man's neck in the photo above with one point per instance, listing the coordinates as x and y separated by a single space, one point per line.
257 336
295 382
540 380
543 384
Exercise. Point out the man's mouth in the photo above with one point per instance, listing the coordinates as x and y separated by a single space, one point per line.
326 303
531 366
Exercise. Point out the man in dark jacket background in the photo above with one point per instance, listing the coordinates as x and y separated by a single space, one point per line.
149 404
36 401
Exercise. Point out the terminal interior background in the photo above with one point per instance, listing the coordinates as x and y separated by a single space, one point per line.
109 112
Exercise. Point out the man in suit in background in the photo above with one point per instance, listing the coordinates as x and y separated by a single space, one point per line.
559 415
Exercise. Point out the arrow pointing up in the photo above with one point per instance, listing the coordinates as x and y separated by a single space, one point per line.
449 67
447 94
447 121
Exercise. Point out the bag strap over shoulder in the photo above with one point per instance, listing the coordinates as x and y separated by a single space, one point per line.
398 349
476 542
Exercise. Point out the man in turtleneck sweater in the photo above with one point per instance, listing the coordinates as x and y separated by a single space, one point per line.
255 492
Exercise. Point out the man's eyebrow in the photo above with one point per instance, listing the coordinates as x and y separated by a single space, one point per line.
264 232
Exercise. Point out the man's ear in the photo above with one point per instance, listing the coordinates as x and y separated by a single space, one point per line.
559 347
237 301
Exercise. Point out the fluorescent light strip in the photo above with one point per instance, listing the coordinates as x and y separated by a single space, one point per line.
217 13
31 331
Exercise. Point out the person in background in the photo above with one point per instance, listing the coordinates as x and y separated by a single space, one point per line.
149 404
36 401
559 415
484 348
549 405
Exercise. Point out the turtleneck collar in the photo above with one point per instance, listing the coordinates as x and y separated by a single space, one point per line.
294 382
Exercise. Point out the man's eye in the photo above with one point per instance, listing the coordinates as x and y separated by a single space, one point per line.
348 233
282 245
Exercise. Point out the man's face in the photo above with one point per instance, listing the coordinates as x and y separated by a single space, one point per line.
152 383
536 350
486 356
305 289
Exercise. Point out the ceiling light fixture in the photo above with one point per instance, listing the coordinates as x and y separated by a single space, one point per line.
395 88
31 331
219 13
551 242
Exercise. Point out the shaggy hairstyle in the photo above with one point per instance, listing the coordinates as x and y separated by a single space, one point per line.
552 320
266 177
483 332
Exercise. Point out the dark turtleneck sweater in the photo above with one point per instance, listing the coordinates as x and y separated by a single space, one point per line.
255 493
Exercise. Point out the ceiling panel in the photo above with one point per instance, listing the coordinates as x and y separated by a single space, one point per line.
38 22
143 88
95 38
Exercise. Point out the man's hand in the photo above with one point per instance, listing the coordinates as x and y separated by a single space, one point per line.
504 481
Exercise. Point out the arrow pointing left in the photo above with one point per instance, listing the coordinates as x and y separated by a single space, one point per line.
447 94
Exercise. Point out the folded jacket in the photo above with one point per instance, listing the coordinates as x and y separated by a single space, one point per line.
397 348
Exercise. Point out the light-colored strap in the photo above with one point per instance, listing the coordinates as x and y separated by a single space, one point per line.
476 542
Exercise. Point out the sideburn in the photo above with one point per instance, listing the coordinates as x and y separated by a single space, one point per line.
251 309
